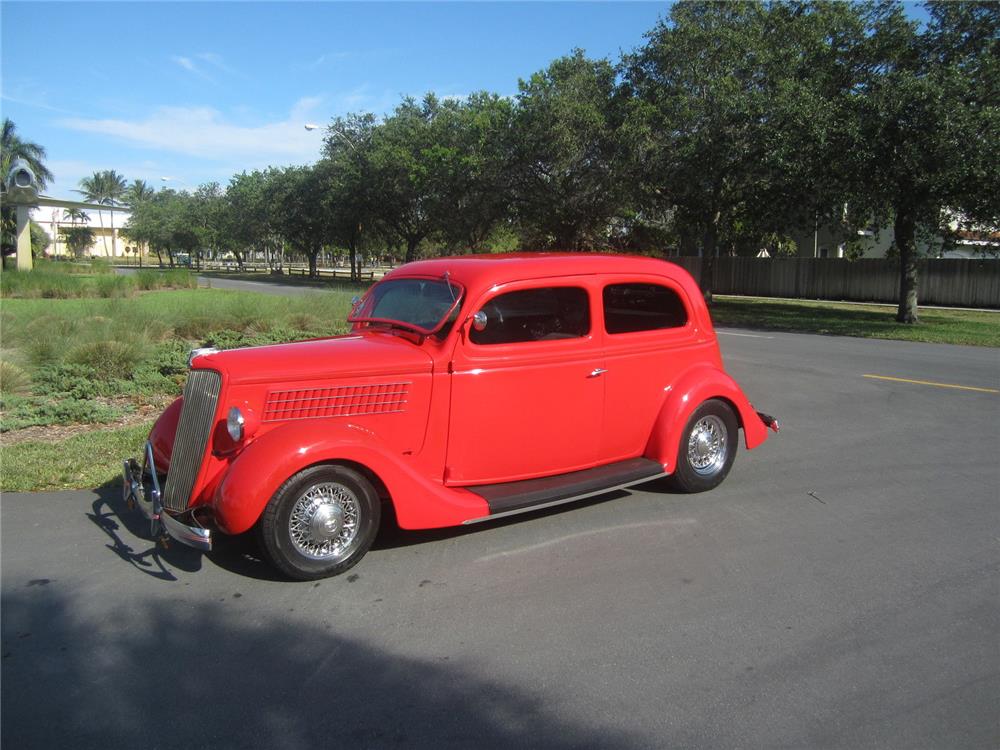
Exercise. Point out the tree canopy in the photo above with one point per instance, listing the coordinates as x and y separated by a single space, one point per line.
731 127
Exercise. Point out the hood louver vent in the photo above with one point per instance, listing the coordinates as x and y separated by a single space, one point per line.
341 401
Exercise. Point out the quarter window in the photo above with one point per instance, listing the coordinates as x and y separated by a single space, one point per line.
642 307
544 314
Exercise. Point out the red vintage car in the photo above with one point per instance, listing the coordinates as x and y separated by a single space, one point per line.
469 389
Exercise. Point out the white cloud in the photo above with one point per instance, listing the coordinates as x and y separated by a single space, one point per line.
205 133
185 62
196 65
326 57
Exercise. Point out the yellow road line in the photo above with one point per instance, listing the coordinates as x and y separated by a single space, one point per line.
938 385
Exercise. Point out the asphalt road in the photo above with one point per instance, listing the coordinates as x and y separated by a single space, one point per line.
839 590
265 287
296 287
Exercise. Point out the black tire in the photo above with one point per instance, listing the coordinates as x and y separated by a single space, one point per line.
707 448
320 522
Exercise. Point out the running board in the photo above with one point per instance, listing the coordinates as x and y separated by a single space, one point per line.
510 498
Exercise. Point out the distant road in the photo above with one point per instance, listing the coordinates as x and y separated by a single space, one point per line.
265 287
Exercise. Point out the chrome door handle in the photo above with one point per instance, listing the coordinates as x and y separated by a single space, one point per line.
596 372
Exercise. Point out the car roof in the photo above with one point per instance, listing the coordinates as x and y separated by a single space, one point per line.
476 272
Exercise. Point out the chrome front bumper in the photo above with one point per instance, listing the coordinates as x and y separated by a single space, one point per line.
150 502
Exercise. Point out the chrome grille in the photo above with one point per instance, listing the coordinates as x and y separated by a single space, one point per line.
201 396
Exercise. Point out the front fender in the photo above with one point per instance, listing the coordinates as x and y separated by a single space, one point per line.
259 470
697 385
162 436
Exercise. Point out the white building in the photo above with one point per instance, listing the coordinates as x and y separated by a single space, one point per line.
105 225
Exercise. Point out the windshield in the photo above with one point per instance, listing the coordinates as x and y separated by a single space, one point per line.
422 305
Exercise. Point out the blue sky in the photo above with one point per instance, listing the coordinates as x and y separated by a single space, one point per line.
200 91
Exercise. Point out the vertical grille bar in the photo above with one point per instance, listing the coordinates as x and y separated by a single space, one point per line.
201 397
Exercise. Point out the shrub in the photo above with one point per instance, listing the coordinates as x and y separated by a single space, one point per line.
195 327
305 322
174 278
20 412
13 380
108 359
179 278
113 286
228 339
147 279
68 381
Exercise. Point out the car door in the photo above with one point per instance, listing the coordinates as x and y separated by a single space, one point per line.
527 386
650 336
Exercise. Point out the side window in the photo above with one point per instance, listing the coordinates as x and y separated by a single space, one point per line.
535 315
642 307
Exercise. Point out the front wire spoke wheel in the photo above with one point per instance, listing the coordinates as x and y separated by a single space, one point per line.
320 522
324 521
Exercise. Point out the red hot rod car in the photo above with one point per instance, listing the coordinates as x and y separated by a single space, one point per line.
469 388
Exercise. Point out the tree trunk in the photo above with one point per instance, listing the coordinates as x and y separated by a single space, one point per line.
312 264
411 248
905 231
709 248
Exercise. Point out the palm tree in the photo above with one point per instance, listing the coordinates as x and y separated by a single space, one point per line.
75 215
12 147
139 191
107 187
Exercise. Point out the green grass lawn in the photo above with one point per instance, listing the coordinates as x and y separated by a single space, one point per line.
865 321
102 361
89 460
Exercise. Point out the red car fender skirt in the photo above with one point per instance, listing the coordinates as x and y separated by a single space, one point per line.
697 385
258 471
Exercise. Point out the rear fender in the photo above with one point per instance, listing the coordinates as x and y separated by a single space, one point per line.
257 472
697 385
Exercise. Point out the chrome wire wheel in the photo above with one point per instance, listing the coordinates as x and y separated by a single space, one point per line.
707 445
324 521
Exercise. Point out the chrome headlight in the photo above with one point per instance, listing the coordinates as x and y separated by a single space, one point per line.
235 422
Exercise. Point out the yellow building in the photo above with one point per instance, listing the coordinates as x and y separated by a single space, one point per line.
106 226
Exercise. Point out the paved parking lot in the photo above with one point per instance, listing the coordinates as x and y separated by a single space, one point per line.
839 590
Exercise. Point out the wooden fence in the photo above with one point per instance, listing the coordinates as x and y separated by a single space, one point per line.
950 282
296 269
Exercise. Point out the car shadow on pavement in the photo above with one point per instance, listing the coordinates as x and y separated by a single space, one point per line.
391 536
160 673
124 526
241 555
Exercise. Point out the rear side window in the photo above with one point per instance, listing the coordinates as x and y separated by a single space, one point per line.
642 307
544 314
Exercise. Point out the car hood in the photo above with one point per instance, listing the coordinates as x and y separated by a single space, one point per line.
342 356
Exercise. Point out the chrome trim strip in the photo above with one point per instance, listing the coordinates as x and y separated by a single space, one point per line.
192 536
553 503
160 521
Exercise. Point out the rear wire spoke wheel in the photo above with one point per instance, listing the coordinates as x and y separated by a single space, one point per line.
320 522
707 447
